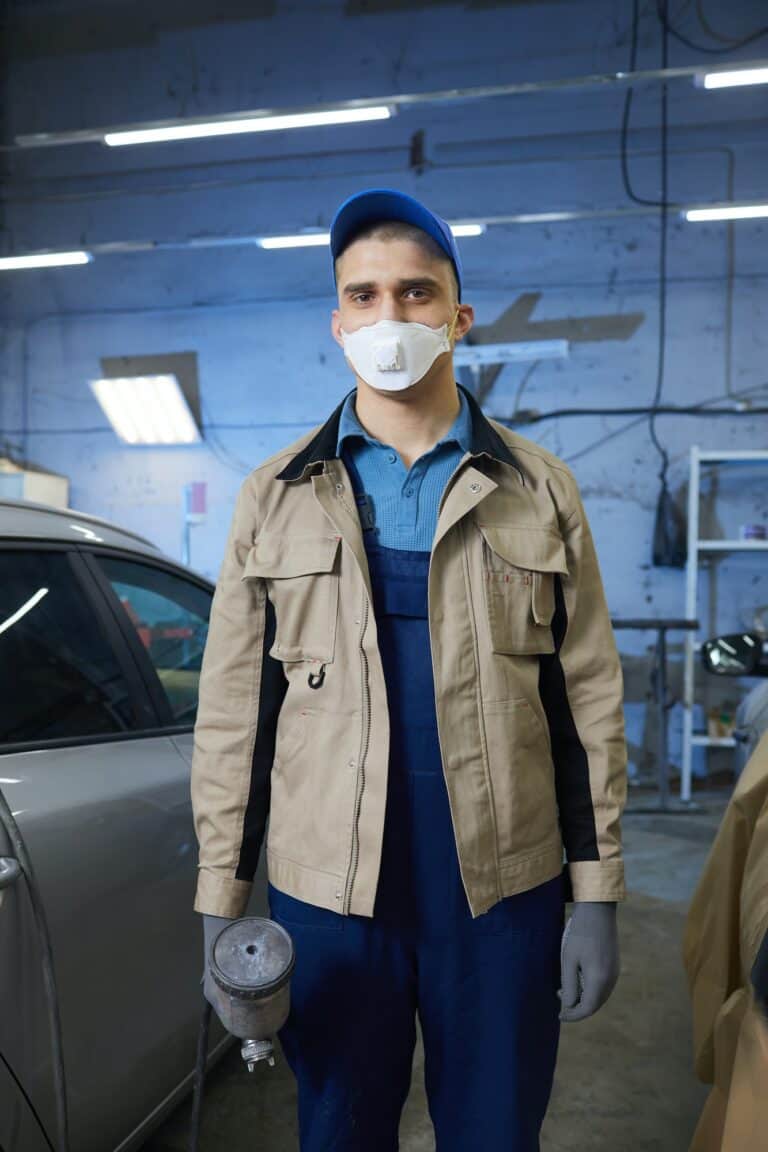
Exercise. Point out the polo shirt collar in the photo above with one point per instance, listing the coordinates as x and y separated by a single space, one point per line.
324 445
460 431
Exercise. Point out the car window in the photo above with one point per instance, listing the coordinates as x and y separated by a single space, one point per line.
59 677
170 615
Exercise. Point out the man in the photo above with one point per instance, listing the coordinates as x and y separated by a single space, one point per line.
411 669
726 959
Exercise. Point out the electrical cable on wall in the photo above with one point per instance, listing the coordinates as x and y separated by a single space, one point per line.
669 535
731 41
532 417
711 51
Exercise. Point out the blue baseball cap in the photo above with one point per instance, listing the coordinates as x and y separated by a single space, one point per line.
378 204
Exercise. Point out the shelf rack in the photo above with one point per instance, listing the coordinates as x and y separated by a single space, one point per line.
697 546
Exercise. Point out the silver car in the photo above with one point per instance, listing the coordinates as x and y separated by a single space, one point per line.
101 638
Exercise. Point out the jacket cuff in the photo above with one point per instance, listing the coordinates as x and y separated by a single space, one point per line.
598 880
221 896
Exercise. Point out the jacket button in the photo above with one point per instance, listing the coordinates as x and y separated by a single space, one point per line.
475 487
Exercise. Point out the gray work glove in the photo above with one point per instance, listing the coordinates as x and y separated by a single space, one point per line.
589 959
212 925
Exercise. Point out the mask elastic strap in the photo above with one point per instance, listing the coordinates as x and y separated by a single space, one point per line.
452 328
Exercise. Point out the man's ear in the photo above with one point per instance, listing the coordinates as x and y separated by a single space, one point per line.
464 321
336 327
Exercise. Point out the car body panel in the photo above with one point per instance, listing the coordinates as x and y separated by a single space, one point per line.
108 825
109 832
22 520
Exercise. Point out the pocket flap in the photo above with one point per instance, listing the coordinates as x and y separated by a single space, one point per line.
539 549
281 557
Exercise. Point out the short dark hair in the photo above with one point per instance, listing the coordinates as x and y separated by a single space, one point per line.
400 230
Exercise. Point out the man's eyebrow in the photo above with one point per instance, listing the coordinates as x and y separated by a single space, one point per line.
362 286
420 281
409 282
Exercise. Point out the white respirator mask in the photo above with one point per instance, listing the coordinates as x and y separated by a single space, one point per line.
394 354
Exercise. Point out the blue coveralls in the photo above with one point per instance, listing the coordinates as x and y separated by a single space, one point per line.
485 989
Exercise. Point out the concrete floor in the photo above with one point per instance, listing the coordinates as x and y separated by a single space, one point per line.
624 1080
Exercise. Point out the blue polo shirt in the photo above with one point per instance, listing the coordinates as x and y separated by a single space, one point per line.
404 500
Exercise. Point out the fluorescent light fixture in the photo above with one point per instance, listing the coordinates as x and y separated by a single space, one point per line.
45 260
737 212
27 606
477 355
467 229
303 240
234 127
317 239
147 409
738 78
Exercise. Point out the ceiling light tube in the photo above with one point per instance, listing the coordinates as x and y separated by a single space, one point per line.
238 125
44 260
147 409
302 240
735 212
467 229
738 78
317 239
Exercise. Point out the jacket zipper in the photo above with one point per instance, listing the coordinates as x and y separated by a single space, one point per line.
360 782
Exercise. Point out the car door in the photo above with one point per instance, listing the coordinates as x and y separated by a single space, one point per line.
164 613
101 794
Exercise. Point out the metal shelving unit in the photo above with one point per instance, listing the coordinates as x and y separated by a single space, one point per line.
697 546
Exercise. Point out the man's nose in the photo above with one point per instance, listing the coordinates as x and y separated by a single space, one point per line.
391 307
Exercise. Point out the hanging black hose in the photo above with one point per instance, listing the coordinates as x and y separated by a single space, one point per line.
669 534
663 249
19 849
197 1097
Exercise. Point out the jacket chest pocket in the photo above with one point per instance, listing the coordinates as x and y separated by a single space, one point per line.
303 584
519 568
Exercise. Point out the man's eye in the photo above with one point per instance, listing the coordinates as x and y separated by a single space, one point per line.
418 292
362 297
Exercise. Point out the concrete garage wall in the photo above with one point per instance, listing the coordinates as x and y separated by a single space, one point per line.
258 321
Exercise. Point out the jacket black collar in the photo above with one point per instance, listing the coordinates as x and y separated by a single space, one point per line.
322 446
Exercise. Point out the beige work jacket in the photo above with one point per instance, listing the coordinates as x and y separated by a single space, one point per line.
727 922
293 722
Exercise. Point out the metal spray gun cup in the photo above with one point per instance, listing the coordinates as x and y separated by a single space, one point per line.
251 964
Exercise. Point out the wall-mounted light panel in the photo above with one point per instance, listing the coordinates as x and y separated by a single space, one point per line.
147 410
151 399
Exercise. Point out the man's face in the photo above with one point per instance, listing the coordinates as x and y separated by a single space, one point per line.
395 280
